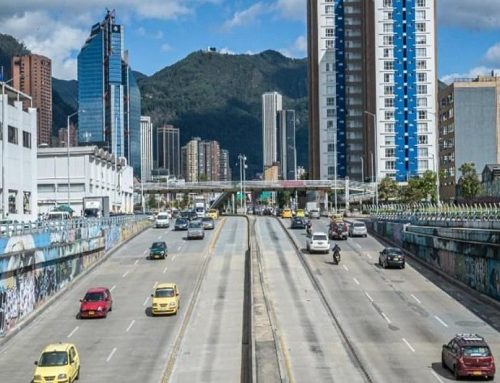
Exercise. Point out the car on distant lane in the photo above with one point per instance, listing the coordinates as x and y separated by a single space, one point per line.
298 223
213 213
158 250
162 220
300 213
318 242
96 303
286 213
208 223
314 213
195 230
391 257
358 229
181 224
58 363
468 355
166 299
338 230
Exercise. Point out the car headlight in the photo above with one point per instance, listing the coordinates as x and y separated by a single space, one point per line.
37 377
155 304
62 376
99 308
172 304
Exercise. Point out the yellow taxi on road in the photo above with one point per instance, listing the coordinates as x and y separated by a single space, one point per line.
59 363
165 299
287 213
300 213
213 213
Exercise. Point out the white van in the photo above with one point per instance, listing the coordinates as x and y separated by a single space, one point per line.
162 220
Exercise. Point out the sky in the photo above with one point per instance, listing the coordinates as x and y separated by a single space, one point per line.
158 33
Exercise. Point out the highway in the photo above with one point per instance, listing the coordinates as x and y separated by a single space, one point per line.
353 322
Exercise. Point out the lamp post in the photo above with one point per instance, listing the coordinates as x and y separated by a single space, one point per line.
67 151
374 170
243 167
335 172
435 167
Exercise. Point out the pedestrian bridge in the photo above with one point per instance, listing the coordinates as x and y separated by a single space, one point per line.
343 186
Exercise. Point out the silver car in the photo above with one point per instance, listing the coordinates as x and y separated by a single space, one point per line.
358 229
208 223
195 230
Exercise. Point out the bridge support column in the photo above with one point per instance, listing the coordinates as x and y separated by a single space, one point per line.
233 204
346 193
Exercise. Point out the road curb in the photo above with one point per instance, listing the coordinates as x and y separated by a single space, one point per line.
40 310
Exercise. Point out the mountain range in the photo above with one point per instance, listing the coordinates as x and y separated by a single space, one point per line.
207 94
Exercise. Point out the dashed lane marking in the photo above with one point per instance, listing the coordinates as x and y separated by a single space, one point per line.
146 301
165 270
386 318
111 354
136 262
414 297
440 321
369 297
112 288
437 377
130 325
345 267
73 332
356 281
408 344
125 273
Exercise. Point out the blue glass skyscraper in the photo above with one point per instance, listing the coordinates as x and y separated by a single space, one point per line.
108 95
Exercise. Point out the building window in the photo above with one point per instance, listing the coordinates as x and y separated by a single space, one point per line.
329 44
329 9
330 78
421 52
423 152
388 28
390 153
388 40
329 124
331 147
328 67
420 27
389 127
389 102
13 135
331 113
388 90
329 32
423 140
420 15
390 165
389 140
421 89
422 101
26 139
388 65
330 101
388 78
423 164
388 52
421 64
422 77
421 39
27 202
387 15
329 21
420 3
422 127
389 115
331 170
422 115
12 201
330 90
387 3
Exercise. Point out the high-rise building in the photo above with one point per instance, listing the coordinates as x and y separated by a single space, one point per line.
468 129
372 88
204 161
32 75
168 150
209 160
108 96
190 160
62 136
271 103
225 167
146 149
286 144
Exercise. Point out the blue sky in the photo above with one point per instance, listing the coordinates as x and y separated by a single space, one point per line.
160 32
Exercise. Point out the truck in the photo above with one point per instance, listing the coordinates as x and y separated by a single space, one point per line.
312 209
200 206
96 207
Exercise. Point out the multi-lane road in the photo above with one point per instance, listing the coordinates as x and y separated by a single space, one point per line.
352 322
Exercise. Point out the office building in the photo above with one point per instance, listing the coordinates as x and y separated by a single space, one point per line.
205 161
62 136
468 128
108 96
225 167
146 149
32 75
190 160
372 88
209 160
168 156
286 144
94 172
18 154
271 103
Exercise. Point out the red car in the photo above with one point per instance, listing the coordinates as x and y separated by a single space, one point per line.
468 355
96 303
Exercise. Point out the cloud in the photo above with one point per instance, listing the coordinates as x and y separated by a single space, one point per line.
246 17
297 49
226 51
493 54
472 14
166 47
291 9
473 73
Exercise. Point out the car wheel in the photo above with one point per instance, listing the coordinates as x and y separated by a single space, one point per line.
385 265
77 374
366 235
379 262
403 266
443 364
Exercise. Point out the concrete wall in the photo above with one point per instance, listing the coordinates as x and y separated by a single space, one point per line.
470 256
34 267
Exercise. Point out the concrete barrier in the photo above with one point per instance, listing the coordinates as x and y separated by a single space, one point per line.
35 267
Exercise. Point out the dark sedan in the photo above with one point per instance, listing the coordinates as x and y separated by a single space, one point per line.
181 224
391 257
298 223
158 250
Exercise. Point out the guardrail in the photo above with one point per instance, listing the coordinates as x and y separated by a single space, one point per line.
22 228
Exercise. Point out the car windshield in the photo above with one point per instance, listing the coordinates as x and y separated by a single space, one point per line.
476 351
162 216
164 293
53 358
181 221
93 297
359 224
195 225
319 237
157 245
212 211
185 214
207 219
394 251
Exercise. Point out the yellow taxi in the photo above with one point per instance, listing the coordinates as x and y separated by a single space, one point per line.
213 213
337 217
59 363
286 213
300 213
165 299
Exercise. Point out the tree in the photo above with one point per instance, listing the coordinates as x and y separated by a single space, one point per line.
387 189
470 186
411 193
427 184
283 198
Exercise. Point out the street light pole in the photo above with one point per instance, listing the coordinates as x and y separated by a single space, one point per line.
335 173
436 170
374 170
67 151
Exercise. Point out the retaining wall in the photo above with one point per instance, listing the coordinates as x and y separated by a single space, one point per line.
468 255
36 266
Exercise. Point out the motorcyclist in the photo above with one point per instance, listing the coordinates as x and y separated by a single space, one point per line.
309 227
336 254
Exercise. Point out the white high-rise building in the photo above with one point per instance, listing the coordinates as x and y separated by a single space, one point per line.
372 88
271 103
146 148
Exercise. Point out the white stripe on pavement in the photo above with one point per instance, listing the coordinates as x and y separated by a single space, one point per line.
165 270
356 281
130 325
125 274
72 332
112 288
386 318
146 301
414 297
369 297
408 344
440 321
345 267
437 377
111 354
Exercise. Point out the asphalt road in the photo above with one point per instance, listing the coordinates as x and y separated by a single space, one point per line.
397 319
129 345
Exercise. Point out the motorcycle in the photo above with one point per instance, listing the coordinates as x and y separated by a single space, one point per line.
336 254
309 231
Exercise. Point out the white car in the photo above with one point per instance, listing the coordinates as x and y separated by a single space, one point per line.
358 229
318 243
162 220
314 214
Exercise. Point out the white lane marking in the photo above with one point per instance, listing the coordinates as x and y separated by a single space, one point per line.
369 297
165 270
73 332
440 321
125 274
112 288
130 325
368 255
357 245
136 262
156 284
159 237
437 377
408 344
146 301
386 318
145 251
414 297
356 281
178 248
111 354
173 258
345 267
